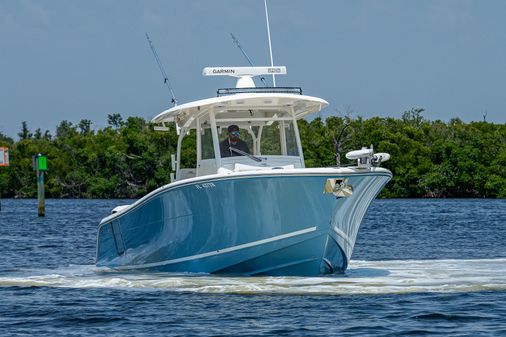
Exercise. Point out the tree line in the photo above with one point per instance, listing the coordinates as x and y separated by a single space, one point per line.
128 159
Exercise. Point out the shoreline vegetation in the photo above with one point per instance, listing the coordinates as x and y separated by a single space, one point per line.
127 159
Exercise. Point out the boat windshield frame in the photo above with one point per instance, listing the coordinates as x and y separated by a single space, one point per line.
217 122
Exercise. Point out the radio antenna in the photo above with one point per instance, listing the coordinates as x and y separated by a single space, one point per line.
236 41
162 70
270 45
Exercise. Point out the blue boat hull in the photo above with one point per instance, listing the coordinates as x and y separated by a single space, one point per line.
245 225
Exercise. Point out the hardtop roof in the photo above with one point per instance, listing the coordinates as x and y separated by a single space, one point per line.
267 104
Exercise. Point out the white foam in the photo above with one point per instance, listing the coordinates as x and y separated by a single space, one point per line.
362 277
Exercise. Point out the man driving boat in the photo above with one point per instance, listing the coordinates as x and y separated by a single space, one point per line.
233 145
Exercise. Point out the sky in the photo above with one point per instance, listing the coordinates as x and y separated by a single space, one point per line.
85 59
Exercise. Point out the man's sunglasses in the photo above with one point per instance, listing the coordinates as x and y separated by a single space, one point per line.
235 133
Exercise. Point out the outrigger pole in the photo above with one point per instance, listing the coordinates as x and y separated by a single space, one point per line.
162 70
236 41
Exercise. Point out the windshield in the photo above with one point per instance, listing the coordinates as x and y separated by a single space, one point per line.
278 139
206 139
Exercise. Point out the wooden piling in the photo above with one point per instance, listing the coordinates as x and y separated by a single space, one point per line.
40 193
39 163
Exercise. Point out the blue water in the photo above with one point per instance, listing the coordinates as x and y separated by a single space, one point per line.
420 267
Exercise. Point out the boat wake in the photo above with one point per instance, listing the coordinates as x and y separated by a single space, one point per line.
362 277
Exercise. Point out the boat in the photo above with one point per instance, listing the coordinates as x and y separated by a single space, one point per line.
252 211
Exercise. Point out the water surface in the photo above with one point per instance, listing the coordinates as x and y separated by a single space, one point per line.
420 267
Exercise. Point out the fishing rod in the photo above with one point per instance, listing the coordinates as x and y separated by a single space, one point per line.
238 44
162 70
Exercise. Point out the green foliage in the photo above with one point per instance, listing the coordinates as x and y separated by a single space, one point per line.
129 159
24 133
115 120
